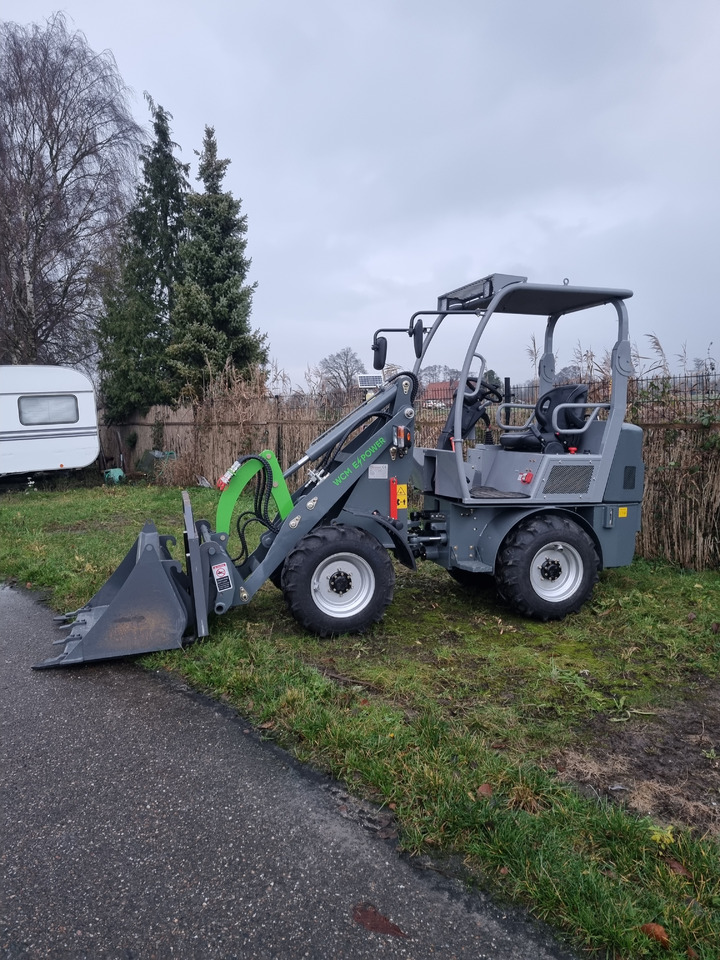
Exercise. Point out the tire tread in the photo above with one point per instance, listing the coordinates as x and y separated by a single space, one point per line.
521 544
304 558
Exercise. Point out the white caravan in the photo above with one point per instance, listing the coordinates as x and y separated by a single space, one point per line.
48 419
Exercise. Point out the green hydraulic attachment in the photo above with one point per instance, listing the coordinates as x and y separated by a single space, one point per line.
248 469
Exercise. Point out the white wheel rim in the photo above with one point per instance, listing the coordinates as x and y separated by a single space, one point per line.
342 585
556 572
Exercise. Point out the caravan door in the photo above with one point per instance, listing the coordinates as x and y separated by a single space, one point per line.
48 419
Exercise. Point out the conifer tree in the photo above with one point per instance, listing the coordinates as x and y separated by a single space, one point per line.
211 312
135 330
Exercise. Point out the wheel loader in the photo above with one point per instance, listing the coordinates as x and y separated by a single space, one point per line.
540 497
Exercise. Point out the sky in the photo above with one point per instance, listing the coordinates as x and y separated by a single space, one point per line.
387 151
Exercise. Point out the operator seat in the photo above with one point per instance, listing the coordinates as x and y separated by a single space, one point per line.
539 437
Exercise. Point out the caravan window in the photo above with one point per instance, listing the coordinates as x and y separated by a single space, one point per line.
48 408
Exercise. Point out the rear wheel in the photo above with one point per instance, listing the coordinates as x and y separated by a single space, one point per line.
338 580
547 567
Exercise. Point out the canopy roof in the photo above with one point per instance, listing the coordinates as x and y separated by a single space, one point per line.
519 296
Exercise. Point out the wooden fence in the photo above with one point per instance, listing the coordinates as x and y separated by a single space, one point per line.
680 418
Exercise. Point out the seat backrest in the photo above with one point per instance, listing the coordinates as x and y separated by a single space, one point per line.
567 419
539 435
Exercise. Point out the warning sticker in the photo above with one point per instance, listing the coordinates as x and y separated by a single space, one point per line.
222 577
402 496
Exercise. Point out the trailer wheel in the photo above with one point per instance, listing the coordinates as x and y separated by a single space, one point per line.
546 567
338 580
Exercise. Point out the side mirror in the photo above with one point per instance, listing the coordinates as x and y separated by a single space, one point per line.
380 350
417 335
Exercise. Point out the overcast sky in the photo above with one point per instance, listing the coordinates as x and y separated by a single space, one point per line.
386 151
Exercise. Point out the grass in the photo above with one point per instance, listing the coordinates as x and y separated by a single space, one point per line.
451 712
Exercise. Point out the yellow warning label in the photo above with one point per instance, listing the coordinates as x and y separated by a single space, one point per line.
402 496
622 511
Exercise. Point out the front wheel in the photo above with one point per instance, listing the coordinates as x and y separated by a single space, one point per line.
338 580
547 567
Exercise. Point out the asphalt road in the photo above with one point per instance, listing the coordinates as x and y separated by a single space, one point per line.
139 821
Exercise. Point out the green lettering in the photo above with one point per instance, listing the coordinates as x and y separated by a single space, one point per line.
357 464
342 476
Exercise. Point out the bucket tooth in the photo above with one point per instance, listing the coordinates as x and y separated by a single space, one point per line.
65 618
143 607
64 659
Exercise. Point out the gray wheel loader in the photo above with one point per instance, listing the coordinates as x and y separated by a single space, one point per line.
541 500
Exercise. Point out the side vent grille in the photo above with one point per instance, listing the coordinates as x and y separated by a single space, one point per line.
567 479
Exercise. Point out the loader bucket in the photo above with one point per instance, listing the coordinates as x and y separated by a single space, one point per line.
145 606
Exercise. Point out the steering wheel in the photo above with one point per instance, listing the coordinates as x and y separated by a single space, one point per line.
479 393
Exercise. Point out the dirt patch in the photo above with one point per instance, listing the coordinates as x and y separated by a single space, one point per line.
666 765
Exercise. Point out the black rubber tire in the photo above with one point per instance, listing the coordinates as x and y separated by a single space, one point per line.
547 567
275 577
338 579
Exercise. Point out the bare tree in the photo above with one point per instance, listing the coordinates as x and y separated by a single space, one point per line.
339 372
68 146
